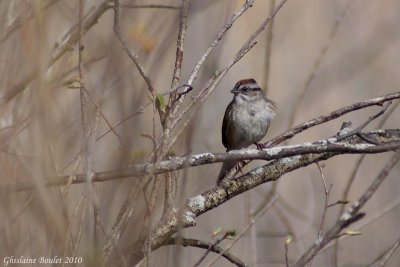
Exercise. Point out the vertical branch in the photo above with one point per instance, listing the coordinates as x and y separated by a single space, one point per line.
88 126
180 47
167 120
326 206
81 72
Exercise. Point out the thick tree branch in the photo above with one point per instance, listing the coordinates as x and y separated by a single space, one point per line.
386 140
229 188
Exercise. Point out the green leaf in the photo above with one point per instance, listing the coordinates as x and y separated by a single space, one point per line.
160 102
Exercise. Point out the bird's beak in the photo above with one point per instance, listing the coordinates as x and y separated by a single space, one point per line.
234 91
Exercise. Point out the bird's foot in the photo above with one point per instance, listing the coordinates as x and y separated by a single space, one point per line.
259 146
239 165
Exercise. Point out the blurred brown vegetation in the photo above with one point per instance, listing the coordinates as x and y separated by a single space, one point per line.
41 128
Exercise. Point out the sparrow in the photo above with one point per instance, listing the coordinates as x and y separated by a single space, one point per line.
246 120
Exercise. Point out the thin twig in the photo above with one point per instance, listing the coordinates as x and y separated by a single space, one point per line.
268 51
339 202
326 206
353 174
389 254
352 215
129 51
317 63
67 41
150 6
98 109
245 229
213 244
362 126
286 245
331 116
386 255
213 82
167 118
18 21
179 100
205 245
368 221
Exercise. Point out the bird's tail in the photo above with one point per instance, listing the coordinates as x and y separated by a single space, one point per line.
226 167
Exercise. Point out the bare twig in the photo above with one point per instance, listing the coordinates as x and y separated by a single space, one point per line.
373 217
315 68
166 119
21 19
150 6
362 126
286 244
262 26
183 21
331 116
326 191
326 206
389 254
72 35
205 245
353 214
339 202
268 48
354 172
120 223
213 244
129 51
213 82
247 4
386 255
204 93
65 45
245 229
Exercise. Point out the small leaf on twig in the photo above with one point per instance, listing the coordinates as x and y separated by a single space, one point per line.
217 231
73 83
353 232
160 103
288 240
231 234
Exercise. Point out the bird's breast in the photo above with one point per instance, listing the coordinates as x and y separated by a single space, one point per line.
250 123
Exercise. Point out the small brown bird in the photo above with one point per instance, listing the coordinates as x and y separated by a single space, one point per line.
246 119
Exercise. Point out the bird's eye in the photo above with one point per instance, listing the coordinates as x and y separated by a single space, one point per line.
245 90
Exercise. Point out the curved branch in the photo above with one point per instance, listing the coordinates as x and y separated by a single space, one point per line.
187 242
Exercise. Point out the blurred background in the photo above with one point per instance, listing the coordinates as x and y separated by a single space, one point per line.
318 56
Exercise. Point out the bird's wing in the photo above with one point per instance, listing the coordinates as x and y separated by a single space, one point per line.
225 125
